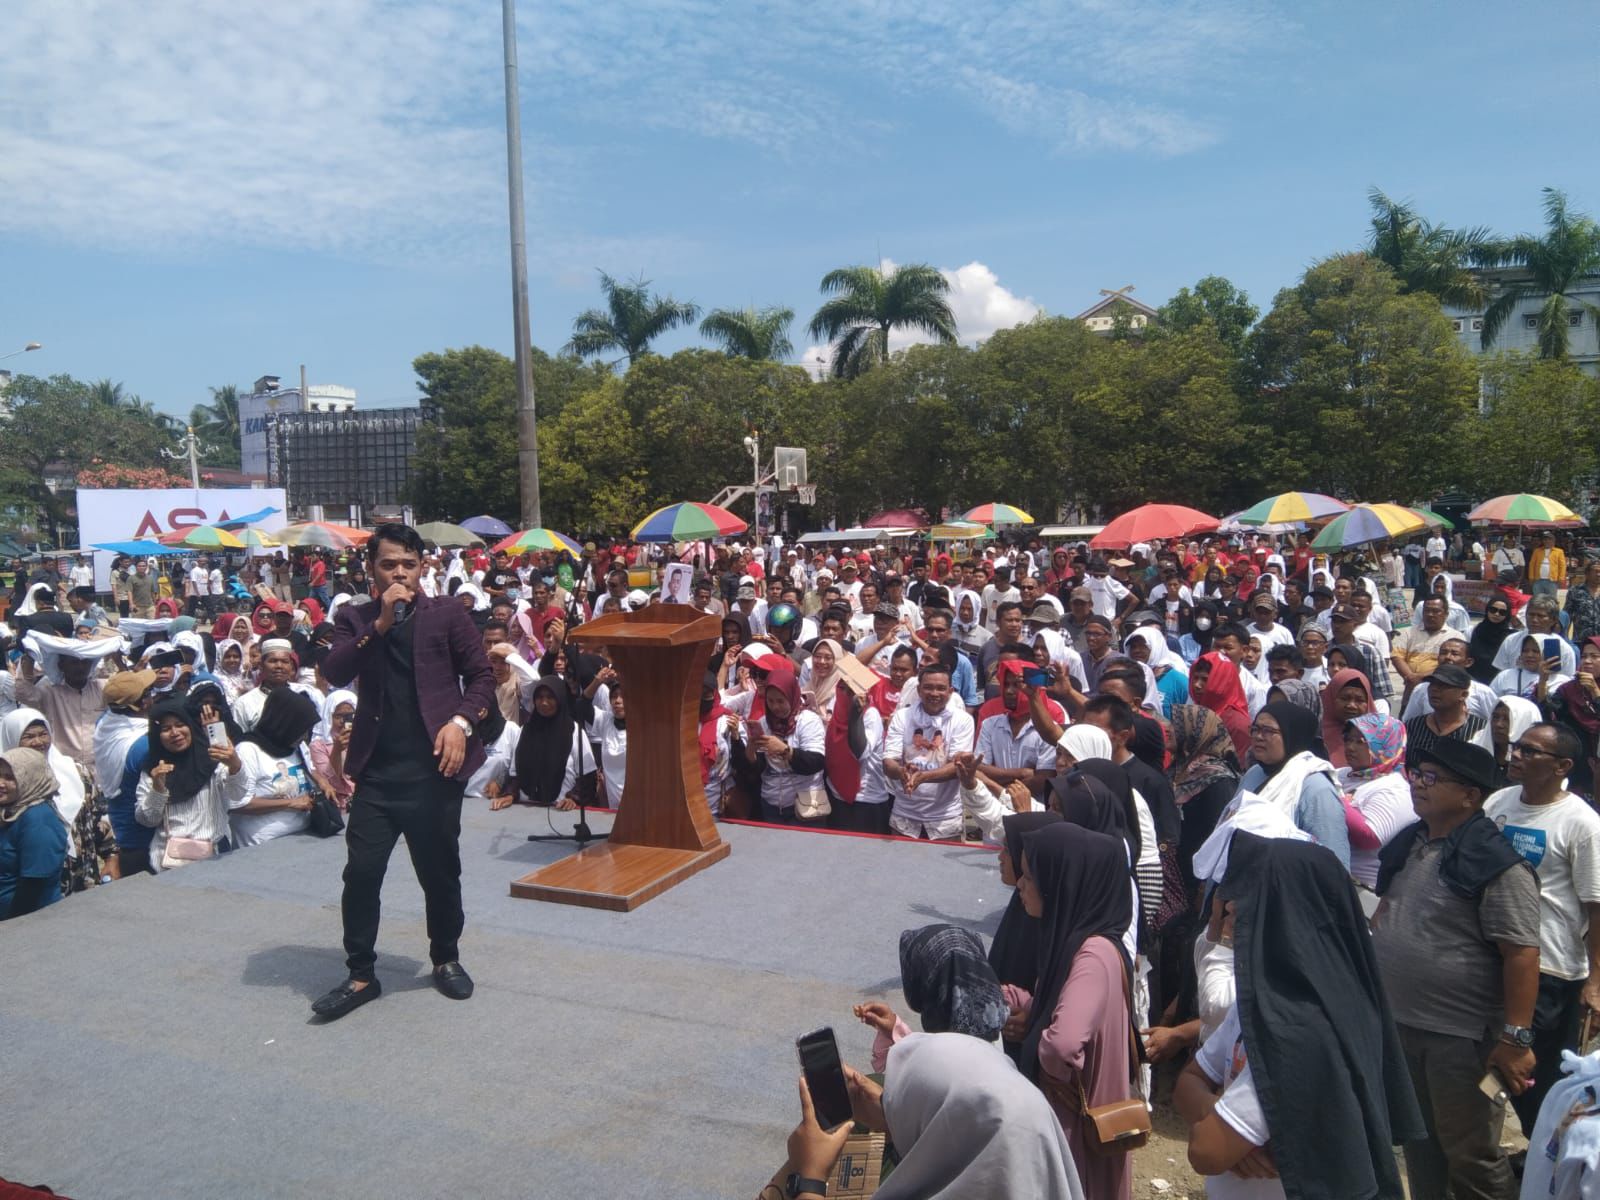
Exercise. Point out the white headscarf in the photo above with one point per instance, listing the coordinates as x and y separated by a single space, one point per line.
235 683
1085 742
1255 815
324 729
1510 651
30 602
480 599
967 1123
69 784
1522 714
1161 654
159 648
48 651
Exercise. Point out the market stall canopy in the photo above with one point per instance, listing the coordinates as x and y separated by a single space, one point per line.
137 549
1150 521
1071 532
859 533
960 531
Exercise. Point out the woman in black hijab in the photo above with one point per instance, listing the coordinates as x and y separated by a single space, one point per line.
207 703
1075 882
1487 635
1308 1060
548 746
287 720
1014 954
949 983
576 671
1291 775
1097 795
193 768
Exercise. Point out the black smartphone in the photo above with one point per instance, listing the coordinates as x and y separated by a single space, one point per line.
1552 647
824 1072
167 658
1036 677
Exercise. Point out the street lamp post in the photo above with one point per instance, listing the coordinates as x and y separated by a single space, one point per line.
752 443
527 418
24 350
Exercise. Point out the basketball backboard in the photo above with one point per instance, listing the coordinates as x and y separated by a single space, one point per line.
788 468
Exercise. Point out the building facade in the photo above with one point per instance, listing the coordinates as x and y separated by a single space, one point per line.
268 399
1521 331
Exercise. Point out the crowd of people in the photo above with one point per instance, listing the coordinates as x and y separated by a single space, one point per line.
1268 817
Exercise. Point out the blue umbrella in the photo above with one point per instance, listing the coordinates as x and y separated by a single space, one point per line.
488 526
249 519
138 548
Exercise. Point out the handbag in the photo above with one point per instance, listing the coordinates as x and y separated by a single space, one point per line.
1121 1125
324 820
811 803
181 850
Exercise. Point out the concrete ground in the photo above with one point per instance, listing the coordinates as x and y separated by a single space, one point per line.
158 1043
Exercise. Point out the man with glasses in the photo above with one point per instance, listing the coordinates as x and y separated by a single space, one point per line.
1034 593
1456 936
1559 834
1313 643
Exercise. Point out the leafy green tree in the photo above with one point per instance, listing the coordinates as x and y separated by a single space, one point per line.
1426 257
217 425
592 464
868 303
560 378
1568 251
56 428
634 317
466 460
1535 432
1357 389
746 333
1212 299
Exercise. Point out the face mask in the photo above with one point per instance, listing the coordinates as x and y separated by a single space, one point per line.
1202 623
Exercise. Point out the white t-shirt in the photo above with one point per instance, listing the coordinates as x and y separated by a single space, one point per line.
1107 593
1436 546
779 785
82 576
199 580
1561 841
263 775
993 598
218 587
1222 1059
924 741
874 785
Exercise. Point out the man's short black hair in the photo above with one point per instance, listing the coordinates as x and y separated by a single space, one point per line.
904 650
934 668
1130 672
1006 606
1234 630
941 614
1322 592
1288 654
496 623
1114 707
1563 741
1435 561
398 535
1015 649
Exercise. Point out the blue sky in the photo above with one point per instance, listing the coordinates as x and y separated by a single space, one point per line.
197 193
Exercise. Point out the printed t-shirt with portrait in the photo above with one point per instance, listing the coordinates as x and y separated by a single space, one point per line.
1561 842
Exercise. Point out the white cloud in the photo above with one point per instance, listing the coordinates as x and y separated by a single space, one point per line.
980 303
375 127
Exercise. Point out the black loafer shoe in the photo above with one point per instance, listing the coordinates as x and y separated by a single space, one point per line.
345 998
452 980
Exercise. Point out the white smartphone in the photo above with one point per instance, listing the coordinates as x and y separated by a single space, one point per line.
216 733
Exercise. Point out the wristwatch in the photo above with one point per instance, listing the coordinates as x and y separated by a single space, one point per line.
462 724
1517 1035
799 1185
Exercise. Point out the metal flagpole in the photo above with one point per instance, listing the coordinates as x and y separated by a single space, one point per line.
527 419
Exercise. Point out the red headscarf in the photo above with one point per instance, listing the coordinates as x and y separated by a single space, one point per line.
313 609
1013 666
781 676
1223 694
261 618
710 732
842 767
1332 724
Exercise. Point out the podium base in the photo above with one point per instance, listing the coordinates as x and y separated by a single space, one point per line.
616 877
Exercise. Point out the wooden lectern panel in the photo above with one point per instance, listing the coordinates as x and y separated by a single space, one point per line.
664 830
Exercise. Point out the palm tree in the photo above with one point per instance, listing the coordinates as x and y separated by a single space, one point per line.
868 302
632 319
218 422
1428 257
746 333
1568 252
110 395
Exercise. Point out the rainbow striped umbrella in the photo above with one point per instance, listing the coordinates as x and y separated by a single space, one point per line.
202 537
1367 523
1523 509
538 539
997 514
1291 506
688 521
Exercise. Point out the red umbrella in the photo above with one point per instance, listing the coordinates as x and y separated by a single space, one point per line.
898 518
1152 521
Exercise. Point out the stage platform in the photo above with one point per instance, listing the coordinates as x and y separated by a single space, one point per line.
158 1041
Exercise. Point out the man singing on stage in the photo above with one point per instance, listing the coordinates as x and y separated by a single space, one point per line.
424 683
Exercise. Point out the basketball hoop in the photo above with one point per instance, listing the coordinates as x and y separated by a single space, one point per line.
807 493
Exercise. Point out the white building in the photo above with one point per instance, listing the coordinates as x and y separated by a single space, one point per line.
267 398
1521 330
1102 317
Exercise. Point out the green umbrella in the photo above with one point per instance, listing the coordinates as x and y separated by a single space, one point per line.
443 533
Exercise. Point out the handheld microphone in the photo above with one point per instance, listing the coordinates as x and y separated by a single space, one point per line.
402 610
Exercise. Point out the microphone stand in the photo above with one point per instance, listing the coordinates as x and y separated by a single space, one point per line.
581 833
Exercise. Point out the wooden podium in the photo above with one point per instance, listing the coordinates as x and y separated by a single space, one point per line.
663 832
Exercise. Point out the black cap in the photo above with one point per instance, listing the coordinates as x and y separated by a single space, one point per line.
1450 675
1342 611
1473 764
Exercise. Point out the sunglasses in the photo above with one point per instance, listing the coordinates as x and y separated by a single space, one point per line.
1496 612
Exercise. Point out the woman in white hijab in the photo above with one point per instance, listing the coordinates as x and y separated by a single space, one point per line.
965 1121
30 729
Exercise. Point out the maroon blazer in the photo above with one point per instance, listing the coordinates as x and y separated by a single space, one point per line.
452 672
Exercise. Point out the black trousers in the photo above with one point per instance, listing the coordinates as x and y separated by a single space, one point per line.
1557 1015
428 815
859 818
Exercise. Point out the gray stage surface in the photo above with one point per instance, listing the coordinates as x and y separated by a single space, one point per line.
157 1041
